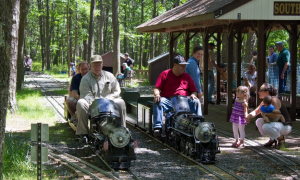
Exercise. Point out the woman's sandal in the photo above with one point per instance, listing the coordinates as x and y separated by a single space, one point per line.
270 143
280 143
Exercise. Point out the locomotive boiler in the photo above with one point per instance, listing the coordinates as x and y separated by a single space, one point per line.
191 134
114 141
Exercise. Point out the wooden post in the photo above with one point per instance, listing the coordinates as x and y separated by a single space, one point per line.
261 58
218 63
229 73
239 59
205 73
187 45
171 45
293 51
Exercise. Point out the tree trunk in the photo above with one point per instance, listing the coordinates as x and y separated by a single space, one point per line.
101 26
145 57
224 48
106 43
141 38
47 37
160 44
250 46
52 34
125 30
152 39
9 15
20 68
91 30
76 34
12 102
85 44
116 37
68 39
42 35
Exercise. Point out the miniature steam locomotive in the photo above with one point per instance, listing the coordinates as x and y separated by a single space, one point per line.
106 134
113 140
191 134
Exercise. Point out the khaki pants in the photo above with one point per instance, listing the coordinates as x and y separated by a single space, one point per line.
71 105
83 115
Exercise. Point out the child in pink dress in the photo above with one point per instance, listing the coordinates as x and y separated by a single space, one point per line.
239 114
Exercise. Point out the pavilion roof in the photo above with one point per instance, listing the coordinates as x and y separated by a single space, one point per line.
186 13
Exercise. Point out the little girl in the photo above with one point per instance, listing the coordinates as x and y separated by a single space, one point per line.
239 114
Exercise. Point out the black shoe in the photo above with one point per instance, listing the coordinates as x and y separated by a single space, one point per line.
211 102
157 132
84 138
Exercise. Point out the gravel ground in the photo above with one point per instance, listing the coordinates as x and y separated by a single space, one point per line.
154 161
250 165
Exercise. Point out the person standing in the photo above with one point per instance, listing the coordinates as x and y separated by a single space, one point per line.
128 60
283 63
273 69
193 68
211 79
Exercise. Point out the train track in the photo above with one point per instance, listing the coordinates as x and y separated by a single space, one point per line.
80 167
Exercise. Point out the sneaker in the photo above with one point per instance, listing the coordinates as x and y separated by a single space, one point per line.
157 132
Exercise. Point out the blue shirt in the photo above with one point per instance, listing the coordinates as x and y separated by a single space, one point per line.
193 70
268 109
273 57
76 82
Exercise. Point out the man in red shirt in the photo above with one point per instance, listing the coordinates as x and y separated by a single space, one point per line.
170 83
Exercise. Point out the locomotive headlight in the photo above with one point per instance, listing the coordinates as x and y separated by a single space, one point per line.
204 132
119 137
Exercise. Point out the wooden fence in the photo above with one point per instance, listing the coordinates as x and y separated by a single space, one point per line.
142 72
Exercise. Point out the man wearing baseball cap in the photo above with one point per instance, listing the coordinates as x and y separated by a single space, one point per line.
283 63
97 84
170 83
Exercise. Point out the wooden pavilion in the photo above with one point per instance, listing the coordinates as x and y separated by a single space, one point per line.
234 18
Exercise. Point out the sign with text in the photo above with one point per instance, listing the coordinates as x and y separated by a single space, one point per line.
288 8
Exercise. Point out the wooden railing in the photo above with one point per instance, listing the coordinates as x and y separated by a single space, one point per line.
141 72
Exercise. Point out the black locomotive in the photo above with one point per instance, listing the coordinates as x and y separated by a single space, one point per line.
107 135
190 133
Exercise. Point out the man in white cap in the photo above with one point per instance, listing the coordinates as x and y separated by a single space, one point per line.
97 84
283 63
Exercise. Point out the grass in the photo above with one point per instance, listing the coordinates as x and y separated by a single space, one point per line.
61 91
31 107
55 72
16 164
